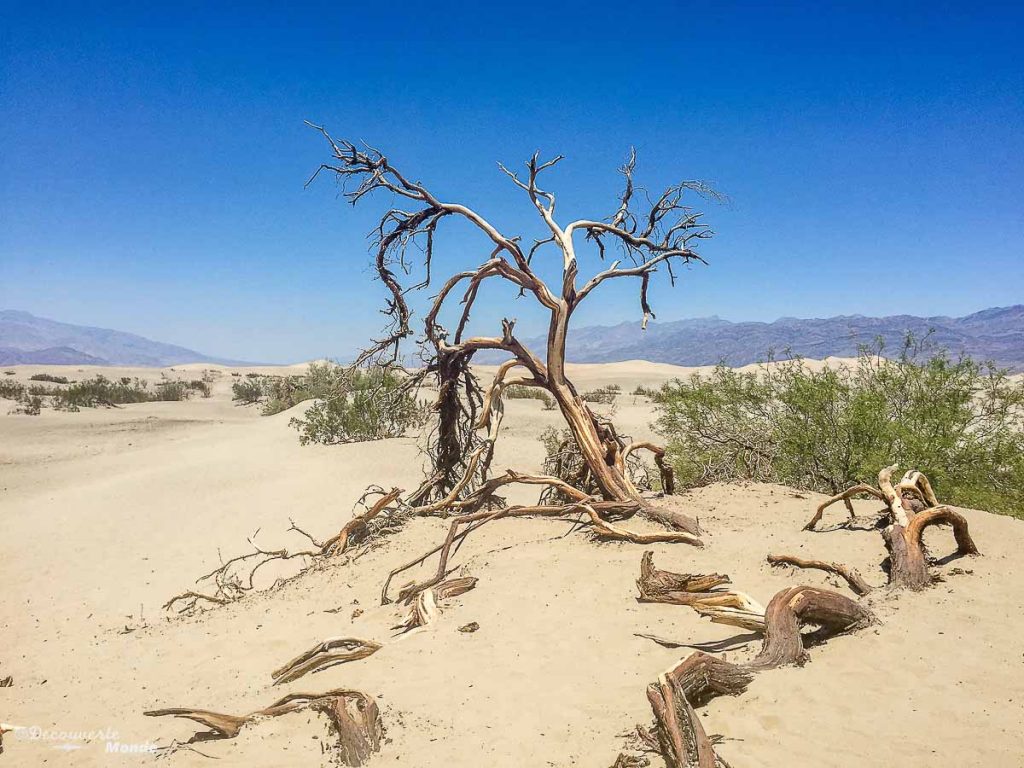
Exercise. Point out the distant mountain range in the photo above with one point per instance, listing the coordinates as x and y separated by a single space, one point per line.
27 339
993 334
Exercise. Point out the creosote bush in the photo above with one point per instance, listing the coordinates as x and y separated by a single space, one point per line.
353 405
958 421
521 392
48 377
603 395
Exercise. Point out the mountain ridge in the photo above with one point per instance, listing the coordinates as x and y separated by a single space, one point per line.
28 339
995 334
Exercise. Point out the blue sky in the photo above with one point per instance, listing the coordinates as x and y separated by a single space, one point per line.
152 156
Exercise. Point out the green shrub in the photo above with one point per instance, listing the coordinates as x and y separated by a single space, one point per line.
959 422
645 391
11 390
49 378
202 386
603 395
248 392
100 390
357 405
30 405
522 392
171 391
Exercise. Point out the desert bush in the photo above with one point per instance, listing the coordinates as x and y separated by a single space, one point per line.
9 373
202 386
248 392
100 390
11 390
603 395
171 391
48 377
645 391
958 421
28 404
357 405
521 392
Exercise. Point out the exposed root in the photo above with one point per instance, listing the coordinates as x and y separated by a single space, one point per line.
464 525
328 653
655 584
796 607
700 677
354 718
851 575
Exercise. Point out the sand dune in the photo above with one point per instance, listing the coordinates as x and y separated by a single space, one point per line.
106 513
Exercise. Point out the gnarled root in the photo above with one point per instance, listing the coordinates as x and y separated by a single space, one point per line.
353 715
333 650
851 575
700 677
911 506
691 683
796 607
908 559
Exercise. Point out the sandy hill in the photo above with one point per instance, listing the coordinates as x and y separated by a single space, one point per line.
107 513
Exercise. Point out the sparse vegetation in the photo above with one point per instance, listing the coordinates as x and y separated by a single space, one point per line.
48 377
352 405
8 373
11 390
360 405
603 395
521 392
960 422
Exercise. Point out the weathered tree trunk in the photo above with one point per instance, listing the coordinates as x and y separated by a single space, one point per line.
790 609
908 558
599 452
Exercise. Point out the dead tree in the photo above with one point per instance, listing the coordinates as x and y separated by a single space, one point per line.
911 507
662 235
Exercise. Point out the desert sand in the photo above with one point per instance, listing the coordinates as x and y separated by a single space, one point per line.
107 513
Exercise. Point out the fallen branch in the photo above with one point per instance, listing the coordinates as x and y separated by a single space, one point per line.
463 525
355 529
354 718
328 653
852 576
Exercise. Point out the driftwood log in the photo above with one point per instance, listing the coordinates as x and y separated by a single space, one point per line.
353 715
